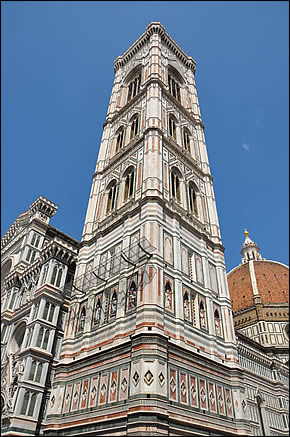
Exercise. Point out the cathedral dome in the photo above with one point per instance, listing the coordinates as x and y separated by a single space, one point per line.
267 279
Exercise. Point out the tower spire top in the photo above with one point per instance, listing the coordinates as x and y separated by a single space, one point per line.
250 250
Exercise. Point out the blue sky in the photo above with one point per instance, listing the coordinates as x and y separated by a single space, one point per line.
57 75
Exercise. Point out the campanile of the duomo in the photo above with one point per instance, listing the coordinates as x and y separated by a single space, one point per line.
149 347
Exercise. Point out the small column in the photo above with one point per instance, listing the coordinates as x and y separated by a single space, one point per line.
35 334
50 340
41 308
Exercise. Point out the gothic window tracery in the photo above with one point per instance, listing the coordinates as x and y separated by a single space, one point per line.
35 371
175 185
172 127
192 199
31 254
28 404
35 239
134 127
112 197
42 339
129 184
48 311
134 87
56 275
120 139
186 140
174 87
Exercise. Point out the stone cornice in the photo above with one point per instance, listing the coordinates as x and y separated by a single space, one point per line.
168 142
175 148
55 249
109 164
120 112
249 348
136 208
52 232
175 102
154 27
44 205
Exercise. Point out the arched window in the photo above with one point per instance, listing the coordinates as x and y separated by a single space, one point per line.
120 139
186 140
129 184
175 185
174 87
134 127
134 87
111 203
172 127
192 199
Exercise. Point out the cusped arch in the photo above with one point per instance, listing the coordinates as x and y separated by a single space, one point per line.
176 74
111 184
131 74
177 171
131 168
134 116
193 185
173 117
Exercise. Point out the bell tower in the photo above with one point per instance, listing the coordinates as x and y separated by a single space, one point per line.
149 347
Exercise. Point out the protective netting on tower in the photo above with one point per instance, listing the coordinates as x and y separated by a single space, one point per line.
134 255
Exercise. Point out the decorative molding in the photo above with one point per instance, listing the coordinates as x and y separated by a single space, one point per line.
154 28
